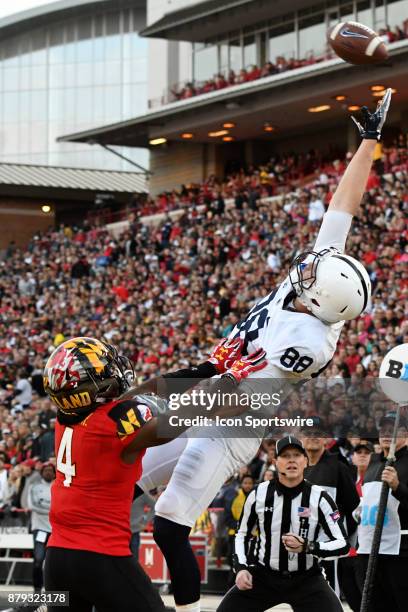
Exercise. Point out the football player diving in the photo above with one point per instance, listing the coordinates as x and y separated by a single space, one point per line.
298 325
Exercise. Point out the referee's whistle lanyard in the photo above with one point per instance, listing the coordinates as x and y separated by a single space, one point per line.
304 527
303 532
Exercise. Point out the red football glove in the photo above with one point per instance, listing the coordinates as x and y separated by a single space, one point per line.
241 368
225 353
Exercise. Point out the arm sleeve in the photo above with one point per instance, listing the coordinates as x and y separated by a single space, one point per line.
246 524
18 389
129 416
333 231
401 493
329 521
36 503
189 377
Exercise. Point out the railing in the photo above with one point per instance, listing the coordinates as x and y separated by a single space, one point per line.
224 79
189 89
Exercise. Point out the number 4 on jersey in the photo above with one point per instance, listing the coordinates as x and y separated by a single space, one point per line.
66 467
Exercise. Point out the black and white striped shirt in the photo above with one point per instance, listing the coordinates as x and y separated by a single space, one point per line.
273 510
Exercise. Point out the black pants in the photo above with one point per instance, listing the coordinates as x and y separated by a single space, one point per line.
109 583
330 571
390 589
39 556
308 592
349 583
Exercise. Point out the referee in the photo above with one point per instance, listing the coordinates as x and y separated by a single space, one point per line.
296 523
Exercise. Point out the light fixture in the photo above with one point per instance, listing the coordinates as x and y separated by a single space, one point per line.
269 128
157 141
379 94
228 138
340 98
46 208
187 135
219 133
232 105
319 109
353 107
228 124
377 87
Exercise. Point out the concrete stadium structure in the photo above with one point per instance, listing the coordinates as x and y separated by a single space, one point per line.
66 66
195 38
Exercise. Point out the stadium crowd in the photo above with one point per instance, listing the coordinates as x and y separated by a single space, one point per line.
165 294
281 64
245 75
279 176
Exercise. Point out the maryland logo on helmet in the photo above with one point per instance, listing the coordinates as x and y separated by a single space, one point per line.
83 370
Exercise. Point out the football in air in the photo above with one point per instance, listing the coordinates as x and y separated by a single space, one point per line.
355 43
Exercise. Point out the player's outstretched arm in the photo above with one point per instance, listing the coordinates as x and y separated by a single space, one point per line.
349 193
221 358
157 430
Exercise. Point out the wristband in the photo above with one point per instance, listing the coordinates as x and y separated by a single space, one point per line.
231 378
206 370
311 548
203 370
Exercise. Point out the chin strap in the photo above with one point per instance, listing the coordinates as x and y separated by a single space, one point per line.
66 418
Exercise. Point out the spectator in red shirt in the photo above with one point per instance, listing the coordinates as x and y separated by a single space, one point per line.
122 292
242 77
373 181
352 359
220 82
253 73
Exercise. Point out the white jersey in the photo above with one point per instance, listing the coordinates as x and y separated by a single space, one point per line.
298 345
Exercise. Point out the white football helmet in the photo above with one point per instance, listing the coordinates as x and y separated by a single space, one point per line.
333 286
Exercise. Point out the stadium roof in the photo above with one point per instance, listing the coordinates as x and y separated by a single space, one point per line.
22 21
207 20
52 177
281 100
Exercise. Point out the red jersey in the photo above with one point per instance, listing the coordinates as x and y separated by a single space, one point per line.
92 494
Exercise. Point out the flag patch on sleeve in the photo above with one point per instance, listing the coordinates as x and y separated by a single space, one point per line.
335 516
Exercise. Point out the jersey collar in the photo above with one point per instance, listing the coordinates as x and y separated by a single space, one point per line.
290 492
73 419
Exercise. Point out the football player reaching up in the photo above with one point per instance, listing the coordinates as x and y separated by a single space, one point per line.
100 439
298 325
